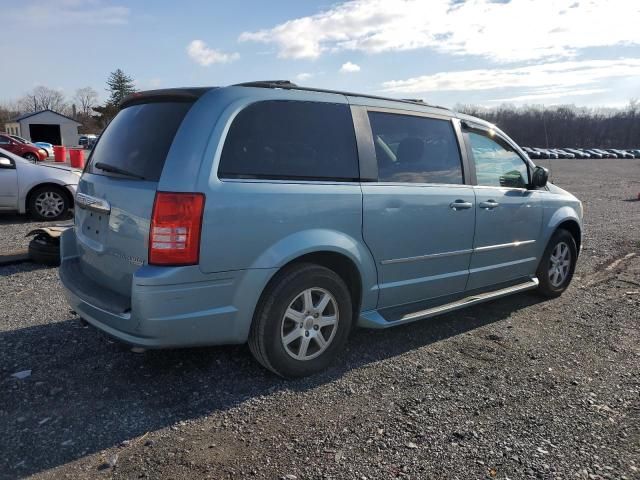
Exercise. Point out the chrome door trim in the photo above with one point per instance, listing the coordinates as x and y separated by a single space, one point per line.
420 184
288 182
487 248
503 189
433 112
426 257
95 204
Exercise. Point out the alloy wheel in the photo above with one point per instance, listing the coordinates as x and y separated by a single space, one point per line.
49 204
559 264
309 324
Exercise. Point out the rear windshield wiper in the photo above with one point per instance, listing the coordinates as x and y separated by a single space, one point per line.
110 168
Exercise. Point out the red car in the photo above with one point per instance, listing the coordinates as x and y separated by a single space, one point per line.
25 150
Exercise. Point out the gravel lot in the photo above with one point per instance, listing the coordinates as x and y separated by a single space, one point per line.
13 229
517 388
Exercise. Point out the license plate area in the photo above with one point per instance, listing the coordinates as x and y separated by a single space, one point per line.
94 226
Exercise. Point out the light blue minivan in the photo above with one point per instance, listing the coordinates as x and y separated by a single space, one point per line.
284 216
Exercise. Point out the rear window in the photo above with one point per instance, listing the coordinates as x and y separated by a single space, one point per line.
291 140
138 139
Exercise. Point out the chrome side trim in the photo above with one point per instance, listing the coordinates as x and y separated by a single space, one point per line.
502 265
468 301
488 248
426 257
415 281
92 203
505 189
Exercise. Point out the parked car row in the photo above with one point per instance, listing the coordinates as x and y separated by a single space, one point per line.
38 151
88 141
47 147
537 153
23 148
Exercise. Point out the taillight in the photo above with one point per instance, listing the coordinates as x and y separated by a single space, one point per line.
174 236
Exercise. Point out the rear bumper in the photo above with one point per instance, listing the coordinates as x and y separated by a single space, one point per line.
168 307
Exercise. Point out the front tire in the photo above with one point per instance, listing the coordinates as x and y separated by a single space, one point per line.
302 321
32 157
558 264
48 203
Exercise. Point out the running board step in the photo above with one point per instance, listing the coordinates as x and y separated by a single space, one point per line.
373 319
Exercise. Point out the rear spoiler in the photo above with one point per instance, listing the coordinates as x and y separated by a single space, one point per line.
164 95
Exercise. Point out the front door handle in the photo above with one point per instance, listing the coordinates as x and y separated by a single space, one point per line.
460 205
489 204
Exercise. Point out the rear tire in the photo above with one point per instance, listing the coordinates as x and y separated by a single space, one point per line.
557 265
302 321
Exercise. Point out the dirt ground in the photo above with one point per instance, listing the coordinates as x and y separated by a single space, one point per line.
521 387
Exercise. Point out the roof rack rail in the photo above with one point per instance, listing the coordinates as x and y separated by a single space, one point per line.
268 84
288 85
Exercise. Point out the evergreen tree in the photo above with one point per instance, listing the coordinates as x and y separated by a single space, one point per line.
104 114
119 85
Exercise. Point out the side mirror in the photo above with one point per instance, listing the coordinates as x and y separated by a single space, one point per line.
6 163
540 177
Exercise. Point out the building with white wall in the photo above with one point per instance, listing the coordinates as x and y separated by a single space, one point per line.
45 126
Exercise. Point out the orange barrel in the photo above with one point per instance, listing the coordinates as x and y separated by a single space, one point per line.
59 153
76 156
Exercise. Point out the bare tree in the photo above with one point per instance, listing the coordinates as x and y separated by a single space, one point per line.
86 98
43 98
8 111
565 125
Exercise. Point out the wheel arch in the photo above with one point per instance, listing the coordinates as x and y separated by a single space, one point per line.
339 263
331 248
574 229
37 186
567 218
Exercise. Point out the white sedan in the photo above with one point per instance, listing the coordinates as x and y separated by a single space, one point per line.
45 191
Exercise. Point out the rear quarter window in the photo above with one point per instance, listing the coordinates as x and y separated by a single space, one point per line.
291 140
138 139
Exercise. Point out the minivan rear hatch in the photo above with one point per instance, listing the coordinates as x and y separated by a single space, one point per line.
116 193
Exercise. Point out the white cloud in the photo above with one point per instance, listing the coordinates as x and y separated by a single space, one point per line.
349 67
200 53
550 94
545 80
301 77
505 32
53 13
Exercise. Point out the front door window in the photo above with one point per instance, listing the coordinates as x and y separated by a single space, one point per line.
497 163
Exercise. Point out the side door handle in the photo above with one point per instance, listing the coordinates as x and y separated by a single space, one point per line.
489 204
460 205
